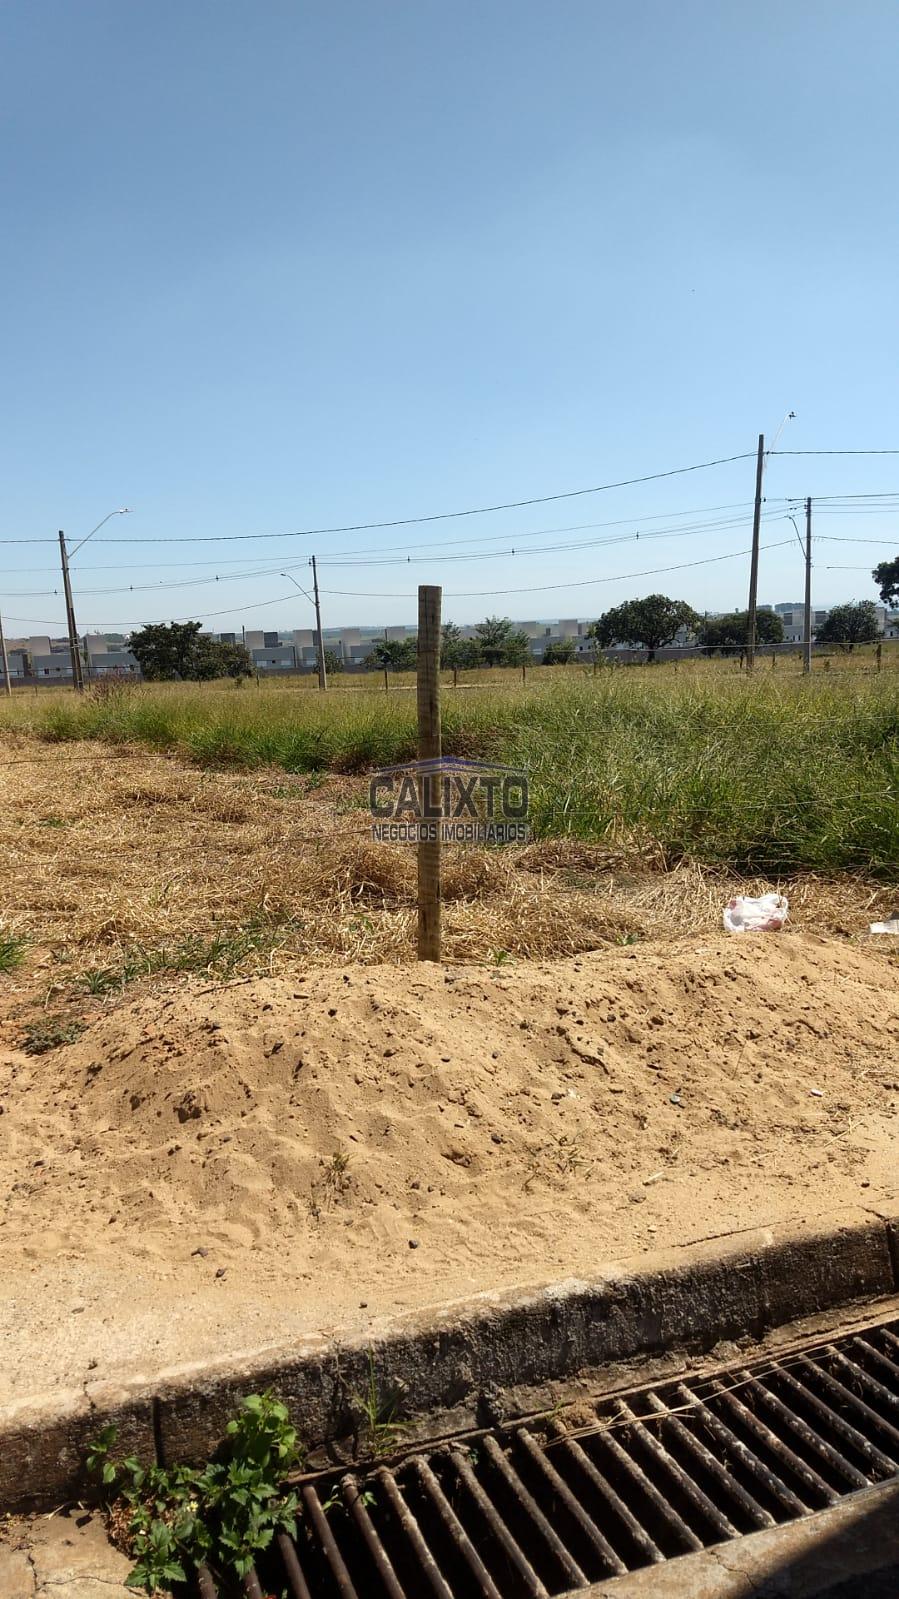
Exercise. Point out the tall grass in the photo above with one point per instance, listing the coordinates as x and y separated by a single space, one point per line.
773 773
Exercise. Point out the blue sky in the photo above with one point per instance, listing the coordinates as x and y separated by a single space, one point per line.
277 266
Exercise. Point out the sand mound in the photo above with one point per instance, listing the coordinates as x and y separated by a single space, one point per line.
488 1112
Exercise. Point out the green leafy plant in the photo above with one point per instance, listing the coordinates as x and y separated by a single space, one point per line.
50 1033
223 1515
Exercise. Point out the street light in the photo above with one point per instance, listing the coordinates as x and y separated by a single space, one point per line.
788 416
77 672
322 673
123 510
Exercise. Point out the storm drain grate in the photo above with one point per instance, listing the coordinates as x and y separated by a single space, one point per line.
536 1510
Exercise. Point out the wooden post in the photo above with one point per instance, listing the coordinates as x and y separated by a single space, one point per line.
878 653
7 686
322 669
754 563
807 608
77 672
429 748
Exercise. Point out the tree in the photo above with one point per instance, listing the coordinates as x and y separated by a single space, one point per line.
392 655
559 653
458 654
215 658
652 622
850 624
886 576
493 635
725 635
517 651
333 662
167 650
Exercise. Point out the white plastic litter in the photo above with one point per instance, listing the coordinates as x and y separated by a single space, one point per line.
891 925
766 914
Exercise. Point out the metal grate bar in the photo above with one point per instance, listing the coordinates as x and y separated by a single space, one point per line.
571 1448
836 1422
690 1489
689 1442
807 1434
856 1373
328 1542
380 1558
412 1531
288 1551
781 1451
859 1405
566 1564
533 1586
454 1527
890 1339
667 1513
870 1352
613 1565
735 1449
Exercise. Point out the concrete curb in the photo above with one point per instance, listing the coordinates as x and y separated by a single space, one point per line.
470 1362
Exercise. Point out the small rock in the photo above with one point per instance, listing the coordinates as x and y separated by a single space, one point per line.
220 1271
675 1099
201 1250
413 1243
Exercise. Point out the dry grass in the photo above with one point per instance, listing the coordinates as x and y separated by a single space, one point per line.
116 866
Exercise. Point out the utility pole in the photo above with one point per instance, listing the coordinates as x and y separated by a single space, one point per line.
754 567
429 751
7 686
322 673
77 673
807 622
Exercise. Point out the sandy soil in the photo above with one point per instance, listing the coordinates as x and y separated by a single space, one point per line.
212 1168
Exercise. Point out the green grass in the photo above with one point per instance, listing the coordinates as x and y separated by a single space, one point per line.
774 773
221 954
12 951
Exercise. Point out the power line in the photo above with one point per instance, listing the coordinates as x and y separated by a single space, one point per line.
480 538
833 452
435 516
469 594
834 538
542 588
721 524
828 505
